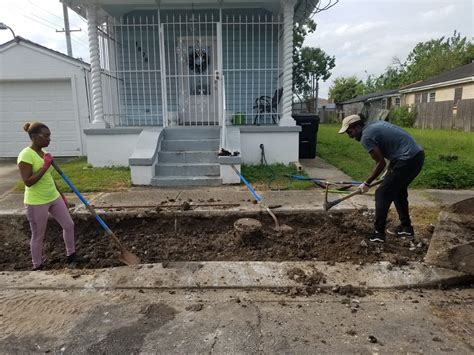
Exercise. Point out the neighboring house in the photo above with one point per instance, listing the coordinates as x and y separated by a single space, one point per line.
445 101
174 81
40 84
375 105
454 85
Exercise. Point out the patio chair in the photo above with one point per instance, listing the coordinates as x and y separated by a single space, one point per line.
266 105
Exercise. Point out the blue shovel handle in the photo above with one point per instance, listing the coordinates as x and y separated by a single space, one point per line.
257 197
84 201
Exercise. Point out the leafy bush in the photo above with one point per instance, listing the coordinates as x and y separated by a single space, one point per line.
402 116
444 174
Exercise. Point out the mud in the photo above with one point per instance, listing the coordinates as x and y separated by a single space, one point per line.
185 236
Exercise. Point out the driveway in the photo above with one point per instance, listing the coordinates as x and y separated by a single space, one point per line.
9 175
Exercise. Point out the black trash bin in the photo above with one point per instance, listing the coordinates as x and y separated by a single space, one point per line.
309 123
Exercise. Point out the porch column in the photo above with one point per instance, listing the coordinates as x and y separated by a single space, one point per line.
96 83
287 49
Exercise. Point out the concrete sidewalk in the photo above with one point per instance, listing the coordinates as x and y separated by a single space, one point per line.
227 197
235 197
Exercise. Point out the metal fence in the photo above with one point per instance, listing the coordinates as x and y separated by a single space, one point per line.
162 68
252 67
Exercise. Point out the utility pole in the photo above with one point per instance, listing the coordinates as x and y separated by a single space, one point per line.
67 30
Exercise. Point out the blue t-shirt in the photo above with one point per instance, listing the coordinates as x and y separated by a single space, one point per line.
394 142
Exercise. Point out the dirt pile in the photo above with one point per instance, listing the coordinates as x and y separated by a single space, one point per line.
164 237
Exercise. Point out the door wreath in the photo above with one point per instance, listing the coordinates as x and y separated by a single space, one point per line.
198 60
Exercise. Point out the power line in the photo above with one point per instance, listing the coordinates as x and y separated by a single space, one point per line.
39 7
41 23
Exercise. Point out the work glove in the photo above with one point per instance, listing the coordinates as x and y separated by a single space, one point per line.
363 188
48 160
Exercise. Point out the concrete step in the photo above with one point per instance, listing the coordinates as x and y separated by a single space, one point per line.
192 133
176 181
200 169
187 157
187 145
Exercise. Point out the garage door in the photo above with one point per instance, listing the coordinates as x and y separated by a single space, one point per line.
49 102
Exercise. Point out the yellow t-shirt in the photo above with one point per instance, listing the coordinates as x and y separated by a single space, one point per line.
44 191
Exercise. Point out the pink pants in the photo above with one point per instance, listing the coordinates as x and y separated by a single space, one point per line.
38 218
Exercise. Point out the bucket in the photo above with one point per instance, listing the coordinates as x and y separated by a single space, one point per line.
238 119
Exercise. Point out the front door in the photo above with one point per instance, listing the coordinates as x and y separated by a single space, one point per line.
198 89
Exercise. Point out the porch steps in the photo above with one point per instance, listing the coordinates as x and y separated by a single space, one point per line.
188 157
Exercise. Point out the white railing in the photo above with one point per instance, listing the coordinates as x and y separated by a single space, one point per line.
252 67
158 68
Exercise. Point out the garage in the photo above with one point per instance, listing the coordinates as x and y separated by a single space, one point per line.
39 84
49 102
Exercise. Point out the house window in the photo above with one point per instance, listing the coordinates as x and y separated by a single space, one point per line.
432 96
397 101
457 95
424 97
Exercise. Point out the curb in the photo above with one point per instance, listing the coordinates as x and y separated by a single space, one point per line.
238 275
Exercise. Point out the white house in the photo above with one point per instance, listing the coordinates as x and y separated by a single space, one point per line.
175 81
40 84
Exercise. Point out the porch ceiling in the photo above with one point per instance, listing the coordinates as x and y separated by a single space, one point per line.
117 8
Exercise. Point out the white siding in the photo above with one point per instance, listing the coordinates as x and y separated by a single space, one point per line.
49 102
37 84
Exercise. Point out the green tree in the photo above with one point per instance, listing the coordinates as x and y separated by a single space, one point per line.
300 31
427 59
346 88
313 65
431 58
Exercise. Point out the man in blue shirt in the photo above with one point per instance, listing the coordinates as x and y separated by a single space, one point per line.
383 140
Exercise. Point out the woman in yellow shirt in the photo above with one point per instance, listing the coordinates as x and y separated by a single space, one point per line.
42 196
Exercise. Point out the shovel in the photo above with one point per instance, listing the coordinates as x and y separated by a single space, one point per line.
329 204
259 199
126 257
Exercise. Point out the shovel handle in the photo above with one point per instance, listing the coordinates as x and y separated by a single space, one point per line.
356 192
83 200
257 197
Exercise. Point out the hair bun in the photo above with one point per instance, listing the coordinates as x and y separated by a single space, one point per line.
26 126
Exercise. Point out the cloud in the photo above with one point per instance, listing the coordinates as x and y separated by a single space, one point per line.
437 14
388 29
358 29
38 21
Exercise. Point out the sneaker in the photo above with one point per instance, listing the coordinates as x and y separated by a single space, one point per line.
401 231
38 268
74 260
377 237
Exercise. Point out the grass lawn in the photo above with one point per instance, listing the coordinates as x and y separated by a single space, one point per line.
274 177
449 162
88 179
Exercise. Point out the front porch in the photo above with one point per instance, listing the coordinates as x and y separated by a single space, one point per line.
168 71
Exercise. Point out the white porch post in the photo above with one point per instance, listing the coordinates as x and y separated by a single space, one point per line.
97 103
287 49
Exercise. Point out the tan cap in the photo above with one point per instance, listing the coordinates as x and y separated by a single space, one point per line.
347 121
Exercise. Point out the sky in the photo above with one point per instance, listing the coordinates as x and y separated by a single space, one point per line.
363 35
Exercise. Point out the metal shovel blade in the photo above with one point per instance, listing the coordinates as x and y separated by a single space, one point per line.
125 256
